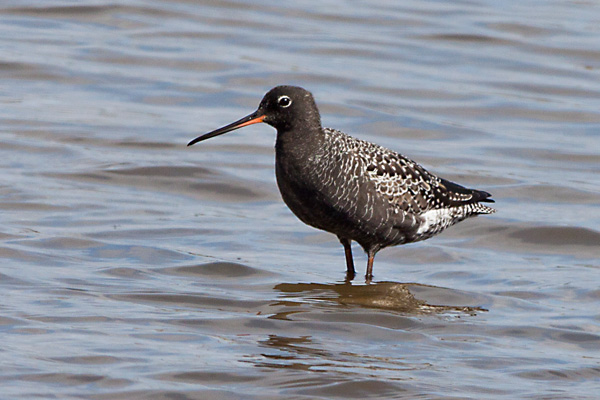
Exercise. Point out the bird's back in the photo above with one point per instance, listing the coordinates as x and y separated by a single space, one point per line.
373 195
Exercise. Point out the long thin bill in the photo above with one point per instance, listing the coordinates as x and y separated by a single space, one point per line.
253 118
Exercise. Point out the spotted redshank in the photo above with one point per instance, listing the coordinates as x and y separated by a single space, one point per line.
357 190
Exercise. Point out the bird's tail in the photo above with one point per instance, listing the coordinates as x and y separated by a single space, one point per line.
479 208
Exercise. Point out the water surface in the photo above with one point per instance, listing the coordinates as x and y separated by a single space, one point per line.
136 268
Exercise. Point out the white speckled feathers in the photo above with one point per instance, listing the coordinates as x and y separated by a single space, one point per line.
419 199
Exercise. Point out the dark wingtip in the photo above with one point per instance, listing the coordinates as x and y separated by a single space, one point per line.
485 197
478 196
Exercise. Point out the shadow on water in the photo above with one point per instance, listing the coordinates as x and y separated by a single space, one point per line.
240 288
244 282
393 296
321 321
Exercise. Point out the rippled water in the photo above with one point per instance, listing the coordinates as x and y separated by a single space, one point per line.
134 267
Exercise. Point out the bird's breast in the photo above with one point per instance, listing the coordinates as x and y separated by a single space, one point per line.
294 179
330 192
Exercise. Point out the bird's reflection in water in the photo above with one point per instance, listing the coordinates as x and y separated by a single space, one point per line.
391 296
328 327
308 353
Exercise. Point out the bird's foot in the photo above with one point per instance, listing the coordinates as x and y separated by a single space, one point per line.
350 275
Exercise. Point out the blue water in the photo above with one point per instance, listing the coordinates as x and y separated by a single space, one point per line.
135 267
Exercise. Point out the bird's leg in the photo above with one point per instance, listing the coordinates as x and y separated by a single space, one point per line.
371 255
350 272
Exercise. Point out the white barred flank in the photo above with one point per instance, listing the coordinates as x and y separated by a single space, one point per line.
436 220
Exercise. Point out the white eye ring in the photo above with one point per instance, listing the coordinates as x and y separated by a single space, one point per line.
284 101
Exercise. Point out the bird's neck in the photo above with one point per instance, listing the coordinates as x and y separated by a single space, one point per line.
298 147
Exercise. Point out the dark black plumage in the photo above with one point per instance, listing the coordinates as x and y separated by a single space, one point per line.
354 189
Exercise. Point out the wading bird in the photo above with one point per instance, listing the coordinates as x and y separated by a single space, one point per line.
352 188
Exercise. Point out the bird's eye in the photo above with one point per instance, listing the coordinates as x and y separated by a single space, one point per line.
284 101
